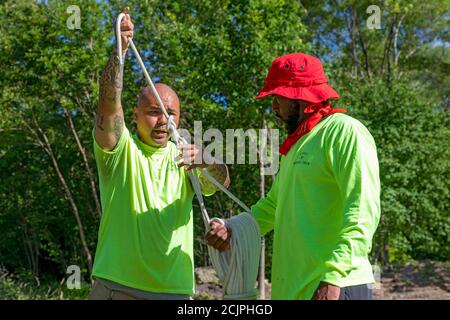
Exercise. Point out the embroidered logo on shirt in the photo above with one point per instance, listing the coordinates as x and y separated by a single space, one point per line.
303 158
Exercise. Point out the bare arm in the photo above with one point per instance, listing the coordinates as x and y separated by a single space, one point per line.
109 119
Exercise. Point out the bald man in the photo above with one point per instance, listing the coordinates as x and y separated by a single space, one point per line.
145 241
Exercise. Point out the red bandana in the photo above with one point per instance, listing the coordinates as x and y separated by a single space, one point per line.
318 110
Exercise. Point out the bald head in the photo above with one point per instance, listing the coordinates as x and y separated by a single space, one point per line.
167 94
151 123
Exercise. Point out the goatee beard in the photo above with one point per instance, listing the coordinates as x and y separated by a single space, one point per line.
293 118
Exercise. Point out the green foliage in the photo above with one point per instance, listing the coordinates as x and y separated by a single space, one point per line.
412 42
412 147
216 56
16 288
45 68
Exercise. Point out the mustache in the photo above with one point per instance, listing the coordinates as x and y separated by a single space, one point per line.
162 128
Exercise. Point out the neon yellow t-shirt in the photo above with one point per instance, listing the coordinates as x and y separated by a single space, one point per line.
145 240
324 208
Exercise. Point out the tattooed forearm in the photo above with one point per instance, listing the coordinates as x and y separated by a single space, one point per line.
109 122
220 173
118 126
111 81
99 121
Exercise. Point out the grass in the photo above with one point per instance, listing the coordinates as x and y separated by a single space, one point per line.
14 288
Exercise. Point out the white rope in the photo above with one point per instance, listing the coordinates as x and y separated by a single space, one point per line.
119 40
238 267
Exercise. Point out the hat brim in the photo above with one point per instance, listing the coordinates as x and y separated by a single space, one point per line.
314 94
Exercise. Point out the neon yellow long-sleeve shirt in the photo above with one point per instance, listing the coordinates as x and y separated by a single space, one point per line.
324 208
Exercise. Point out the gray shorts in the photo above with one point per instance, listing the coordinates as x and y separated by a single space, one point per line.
360 292
108 290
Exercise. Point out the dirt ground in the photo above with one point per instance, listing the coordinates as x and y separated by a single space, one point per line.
419 280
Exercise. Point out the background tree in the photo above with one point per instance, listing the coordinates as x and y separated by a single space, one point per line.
216 56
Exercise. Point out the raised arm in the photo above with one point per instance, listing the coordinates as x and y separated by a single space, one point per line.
109 119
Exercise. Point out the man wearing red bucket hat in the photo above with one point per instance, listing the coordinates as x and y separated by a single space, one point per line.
324 205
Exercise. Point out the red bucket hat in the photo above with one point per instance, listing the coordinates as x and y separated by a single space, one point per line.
298 76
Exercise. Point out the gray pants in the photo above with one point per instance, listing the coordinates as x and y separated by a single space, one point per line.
360 292
109 290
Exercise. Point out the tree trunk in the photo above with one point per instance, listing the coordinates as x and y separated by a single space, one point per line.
351 25
269 139
396 31
364 49
262 262
387 46
45 144
86 163
31 247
